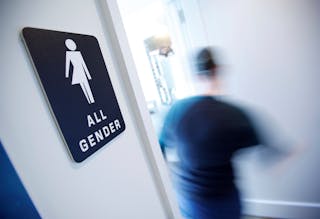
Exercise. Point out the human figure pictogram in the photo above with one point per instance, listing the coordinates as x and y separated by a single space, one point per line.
80 72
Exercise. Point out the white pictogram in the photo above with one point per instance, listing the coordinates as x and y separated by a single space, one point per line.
80 73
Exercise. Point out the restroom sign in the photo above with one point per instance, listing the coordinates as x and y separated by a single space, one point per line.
76 84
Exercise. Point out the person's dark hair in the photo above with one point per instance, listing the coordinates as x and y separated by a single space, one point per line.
205 63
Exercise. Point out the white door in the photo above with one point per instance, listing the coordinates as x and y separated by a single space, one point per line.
125 179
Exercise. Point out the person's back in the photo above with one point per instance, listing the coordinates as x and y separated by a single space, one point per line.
206 132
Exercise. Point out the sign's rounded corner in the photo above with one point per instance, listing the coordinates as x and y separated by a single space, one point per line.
77 160
24 30
95 39
124 126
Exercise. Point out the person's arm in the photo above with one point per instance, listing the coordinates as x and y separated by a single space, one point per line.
167 138
277 149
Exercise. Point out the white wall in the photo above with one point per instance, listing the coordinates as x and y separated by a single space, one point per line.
115 182
270 49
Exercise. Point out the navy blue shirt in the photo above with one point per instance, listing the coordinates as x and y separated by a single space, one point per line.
206 132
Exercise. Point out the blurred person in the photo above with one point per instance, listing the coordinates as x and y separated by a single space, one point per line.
206 132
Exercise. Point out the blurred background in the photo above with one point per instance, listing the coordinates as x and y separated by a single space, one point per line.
268 52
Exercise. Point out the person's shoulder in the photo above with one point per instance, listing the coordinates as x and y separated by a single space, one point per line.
232 106
185 101
183 105
219 103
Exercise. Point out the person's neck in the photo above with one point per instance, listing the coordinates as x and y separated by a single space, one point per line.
209 88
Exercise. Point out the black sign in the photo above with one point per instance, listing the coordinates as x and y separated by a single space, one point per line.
75 79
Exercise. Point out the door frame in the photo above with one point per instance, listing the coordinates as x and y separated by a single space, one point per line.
112 20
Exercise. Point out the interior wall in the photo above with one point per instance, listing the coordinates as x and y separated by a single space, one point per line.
116 181
269 50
